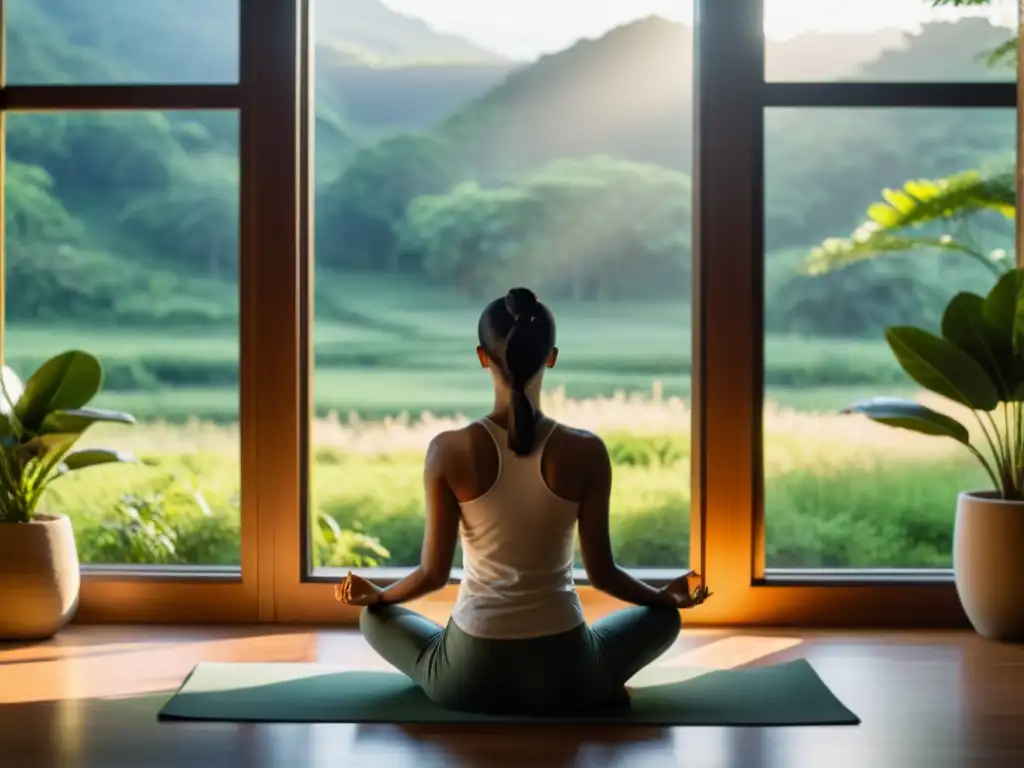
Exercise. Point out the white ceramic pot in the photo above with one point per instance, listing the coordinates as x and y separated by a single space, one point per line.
39 577
988 559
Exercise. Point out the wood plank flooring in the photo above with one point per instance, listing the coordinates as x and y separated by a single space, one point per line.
89 698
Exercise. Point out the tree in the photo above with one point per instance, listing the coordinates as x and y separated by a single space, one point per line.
195 221
33 215
357 215
596 228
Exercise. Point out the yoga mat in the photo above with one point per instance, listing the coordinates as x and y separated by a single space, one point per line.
783 694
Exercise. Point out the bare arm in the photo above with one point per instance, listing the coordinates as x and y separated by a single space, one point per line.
440 537
595 538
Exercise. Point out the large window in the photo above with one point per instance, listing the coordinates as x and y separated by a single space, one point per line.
123 229
276 222
453 167
841 492
122 240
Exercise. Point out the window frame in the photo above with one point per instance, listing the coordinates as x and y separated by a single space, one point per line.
273 97
731 158
263 98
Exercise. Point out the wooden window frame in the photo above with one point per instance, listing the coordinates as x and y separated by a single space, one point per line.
273 97
265 100
732 95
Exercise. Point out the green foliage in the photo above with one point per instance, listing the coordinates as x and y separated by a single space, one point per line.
977 363
334 544
899 223
894 412
363 209
889 512
131 219
596 228
40 422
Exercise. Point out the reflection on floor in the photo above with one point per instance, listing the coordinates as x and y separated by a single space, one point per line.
88 699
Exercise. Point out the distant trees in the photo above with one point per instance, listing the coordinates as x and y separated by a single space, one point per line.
358 216
596 228
572 173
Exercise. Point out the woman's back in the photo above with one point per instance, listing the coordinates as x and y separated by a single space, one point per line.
516 486
518 524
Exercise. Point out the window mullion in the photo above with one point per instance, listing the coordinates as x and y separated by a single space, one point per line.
728 232
270 421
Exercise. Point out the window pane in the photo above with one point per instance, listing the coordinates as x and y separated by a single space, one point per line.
447 184
842 491
888 41
71 42
122 240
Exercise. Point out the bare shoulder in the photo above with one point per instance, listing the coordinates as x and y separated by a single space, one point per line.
582 441
447 441
452 444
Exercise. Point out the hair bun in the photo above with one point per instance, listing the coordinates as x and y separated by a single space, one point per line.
521 302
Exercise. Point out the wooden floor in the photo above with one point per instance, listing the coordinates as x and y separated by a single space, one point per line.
89 699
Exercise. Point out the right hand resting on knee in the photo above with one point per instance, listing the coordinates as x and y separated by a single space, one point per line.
682 595
355 590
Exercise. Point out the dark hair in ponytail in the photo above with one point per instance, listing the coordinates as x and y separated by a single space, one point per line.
518 333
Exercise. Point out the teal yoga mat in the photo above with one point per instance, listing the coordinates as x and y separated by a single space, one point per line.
782 694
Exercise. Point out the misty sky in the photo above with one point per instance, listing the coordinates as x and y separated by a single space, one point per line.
524 29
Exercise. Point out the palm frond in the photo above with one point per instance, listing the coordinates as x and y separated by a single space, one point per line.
892 221
925 201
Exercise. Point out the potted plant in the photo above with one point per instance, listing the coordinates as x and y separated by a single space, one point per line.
976 362
40 422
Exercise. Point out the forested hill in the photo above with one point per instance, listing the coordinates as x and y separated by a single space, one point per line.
631 91
574 172
180 41
132 217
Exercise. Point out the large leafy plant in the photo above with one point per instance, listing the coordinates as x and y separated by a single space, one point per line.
40 422
978 362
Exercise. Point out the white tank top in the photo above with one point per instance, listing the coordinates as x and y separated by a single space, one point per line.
517 551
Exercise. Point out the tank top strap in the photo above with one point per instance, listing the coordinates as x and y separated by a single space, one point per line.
500 437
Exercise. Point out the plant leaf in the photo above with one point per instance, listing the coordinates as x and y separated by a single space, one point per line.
329 527
11 389
965 325
1004 310
1000 306
51 446
938 366
91 457
837 253
906 414
892 221
77 420
65 382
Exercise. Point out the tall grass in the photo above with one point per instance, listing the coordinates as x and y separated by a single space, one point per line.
840 491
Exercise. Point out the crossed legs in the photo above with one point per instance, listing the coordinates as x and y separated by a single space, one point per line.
613 649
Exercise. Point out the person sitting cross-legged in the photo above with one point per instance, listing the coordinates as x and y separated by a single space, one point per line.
516 485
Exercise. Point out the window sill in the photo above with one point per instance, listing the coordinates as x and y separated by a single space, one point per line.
222 574
119 594
880 577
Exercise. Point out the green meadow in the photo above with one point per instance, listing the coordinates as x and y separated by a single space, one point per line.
840 492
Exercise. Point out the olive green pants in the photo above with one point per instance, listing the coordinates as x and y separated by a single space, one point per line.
573 672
